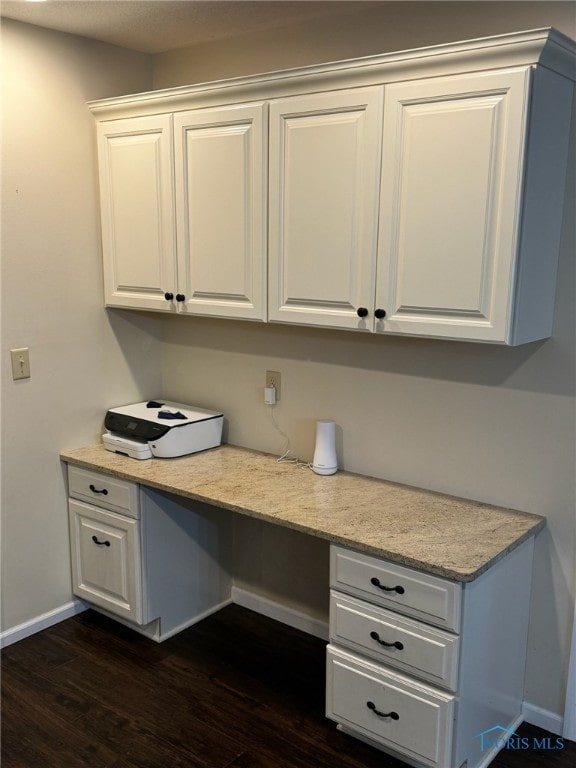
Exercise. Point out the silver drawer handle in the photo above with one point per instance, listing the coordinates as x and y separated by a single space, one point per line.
397 644
392 715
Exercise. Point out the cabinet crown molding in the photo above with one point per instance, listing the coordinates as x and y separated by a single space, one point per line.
545 46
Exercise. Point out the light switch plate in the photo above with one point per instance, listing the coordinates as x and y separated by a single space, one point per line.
20 363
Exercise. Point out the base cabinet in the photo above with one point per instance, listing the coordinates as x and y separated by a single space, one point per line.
411 687
106 566
150 560
420 666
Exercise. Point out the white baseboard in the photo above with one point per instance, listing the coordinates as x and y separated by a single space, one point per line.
279 612
245 598
44 621
543 718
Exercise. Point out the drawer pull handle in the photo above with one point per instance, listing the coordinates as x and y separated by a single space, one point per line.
376 582
100 543
104 491
397 644
392 715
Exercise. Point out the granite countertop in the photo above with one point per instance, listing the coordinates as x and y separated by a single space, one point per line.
443 535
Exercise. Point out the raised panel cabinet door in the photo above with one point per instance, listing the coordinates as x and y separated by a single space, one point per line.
106 560
325 152
450 205
137 212
220 167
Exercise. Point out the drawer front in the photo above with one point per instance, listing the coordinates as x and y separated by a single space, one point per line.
429 598
409 718
405 644
106 560
104 491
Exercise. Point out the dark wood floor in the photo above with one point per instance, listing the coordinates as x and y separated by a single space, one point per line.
235 691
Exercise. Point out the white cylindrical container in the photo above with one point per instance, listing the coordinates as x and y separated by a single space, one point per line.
325 462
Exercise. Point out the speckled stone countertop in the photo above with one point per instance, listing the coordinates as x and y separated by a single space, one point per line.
443 535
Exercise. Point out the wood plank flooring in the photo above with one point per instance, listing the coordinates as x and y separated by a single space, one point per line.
235 691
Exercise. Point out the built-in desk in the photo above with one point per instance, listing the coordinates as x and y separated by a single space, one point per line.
439 534
429 600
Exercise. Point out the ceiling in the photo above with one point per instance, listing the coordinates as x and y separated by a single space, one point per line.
153 26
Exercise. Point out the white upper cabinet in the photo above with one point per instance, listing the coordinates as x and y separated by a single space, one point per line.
220 166
184 212
467 173
324 179
418 193
137 214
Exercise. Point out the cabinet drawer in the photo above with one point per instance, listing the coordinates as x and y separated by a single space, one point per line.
106 560
104 491
408 645
429 598
389 709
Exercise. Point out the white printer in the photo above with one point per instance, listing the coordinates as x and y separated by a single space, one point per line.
161 428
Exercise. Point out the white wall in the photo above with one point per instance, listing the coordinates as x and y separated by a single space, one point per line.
488 423
82 359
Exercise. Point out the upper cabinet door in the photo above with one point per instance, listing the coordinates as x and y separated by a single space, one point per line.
136 198
450 205
324 185
220 168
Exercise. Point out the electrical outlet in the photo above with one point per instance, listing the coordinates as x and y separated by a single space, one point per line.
273 379
20 363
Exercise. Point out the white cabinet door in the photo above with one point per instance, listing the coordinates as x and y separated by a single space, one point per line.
220 167
136 197
450 205
325 154
106 559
